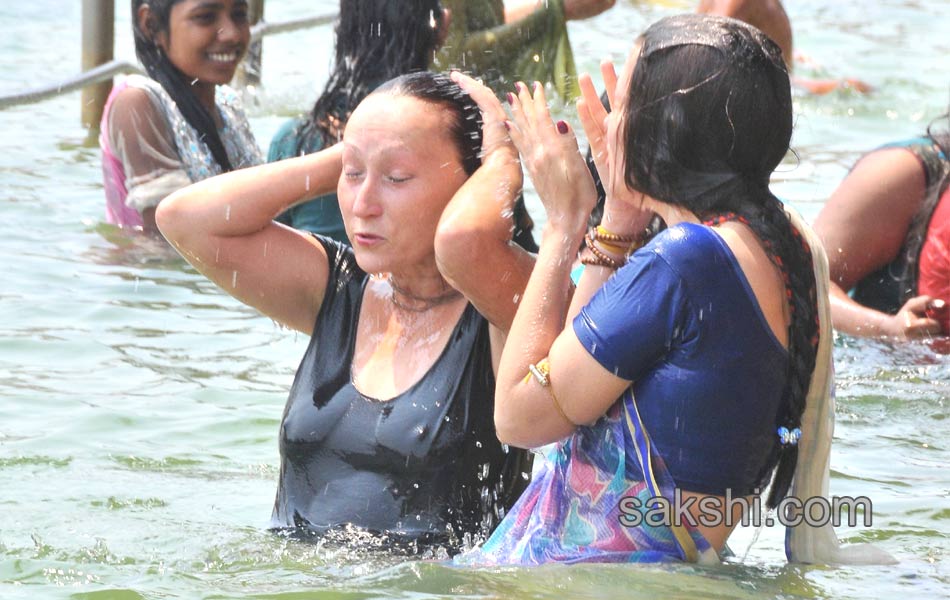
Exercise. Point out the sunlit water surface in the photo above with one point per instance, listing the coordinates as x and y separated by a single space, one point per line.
140 404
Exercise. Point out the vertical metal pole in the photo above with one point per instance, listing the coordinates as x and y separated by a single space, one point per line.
98 29
249 72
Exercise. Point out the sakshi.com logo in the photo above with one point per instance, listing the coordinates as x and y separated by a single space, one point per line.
715 511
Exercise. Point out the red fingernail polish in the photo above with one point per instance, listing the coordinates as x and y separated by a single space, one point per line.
562 127
507 126
511 98
937 309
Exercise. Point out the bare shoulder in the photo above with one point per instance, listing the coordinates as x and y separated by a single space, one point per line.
133 98
885 183
864 223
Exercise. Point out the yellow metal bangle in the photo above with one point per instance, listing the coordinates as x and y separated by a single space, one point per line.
541 371
616 243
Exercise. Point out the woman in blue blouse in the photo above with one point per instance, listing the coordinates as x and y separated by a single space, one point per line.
683 370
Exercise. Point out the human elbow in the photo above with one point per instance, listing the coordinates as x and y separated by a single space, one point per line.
510 434
514 430
171 216
455 245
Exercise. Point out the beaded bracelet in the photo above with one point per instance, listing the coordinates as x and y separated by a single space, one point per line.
600 259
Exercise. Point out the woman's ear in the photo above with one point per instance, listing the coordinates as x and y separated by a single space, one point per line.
148 25
442 28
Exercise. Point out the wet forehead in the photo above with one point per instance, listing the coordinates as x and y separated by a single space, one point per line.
386 123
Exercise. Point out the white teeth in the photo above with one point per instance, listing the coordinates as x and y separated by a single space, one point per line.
230 57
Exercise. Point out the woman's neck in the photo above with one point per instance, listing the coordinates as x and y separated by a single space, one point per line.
205 94
670 213
420 290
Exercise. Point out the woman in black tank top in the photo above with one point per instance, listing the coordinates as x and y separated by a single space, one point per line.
388 434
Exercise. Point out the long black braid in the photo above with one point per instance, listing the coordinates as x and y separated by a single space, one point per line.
173 80
708 120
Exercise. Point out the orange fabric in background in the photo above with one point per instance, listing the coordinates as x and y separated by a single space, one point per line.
934 270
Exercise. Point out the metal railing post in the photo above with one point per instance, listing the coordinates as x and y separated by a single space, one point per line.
249 72
98 30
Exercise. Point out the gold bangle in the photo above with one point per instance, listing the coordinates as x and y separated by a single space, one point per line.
612 241
541 371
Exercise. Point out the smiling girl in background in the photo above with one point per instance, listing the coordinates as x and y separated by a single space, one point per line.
180 124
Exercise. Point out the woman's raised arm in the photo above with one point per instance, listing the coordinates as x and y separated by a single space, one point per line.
473 242
525 413
224 227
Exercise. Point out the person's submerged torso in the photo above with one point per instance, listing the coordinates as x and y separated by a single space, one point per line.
424 466
889 287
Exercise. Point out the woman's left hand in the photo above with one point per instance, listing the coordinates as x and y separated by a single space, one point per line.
553 160
497 149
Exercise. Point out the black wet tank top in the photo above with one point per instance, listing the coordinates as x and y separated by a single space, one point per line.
424 467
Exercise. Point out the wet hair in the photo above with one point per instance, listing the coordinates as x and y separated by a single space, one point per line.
175 82
376 40
597 214
940 137
708 118
460 111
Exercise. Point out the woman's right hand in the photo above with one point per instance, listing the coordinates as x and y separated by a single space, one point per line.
911 321
623 212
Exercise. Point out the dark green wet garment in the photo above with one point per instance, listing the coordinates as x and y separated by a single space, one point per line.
888 288
535 48
422 468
